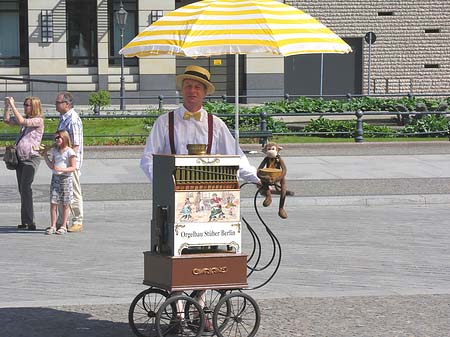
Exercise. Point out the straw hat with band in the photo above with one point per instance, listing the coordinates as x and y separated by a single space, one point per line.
198 74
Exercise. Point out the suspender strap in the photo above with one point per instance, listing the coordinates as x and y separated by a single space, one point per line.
171 132
172 137
210 133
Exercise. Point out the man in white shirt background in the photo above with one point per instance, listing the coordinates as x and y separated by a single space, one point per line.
70 121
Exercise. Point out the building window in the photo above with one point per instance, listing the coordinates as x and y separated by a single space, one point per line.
46 26
432 31
385 13
155 15
131 30
13 33
81 32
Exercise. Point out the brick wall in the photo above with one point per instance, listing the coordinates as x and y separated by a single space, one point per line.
411 53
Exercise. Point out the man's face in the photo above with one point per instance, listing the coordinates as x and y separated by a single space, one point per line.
61 105
193 91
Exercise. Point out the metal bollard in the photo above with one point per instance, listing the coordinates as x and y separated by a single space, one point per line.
160 103
286 97
224 98
359 127
263 127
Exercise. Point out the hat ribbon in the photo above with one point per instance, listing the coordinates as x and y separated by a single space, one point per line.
196 73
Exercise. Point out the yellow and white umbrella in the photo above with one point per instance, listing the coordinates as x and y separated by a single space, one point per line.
218 27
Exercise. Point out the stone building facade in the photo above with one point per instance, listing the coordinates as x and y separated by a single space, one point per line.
411 52
77 51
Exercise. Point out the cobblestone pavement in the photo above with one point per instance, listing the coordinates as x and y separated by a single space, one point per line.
374 265
375 316
346 271
320 173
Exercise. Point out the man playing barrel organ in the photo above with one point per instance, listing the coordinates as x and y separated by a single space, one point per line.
191 124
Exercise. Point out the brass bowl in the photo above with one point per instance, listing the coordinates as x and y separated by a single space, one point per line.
271 172
196 149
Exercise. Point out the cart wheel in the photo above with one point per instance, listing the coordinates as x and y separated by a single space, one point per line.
172 320
208 299
142 313
236 314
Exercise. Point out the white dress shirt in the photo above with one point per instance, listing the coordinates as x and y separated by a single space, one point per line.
192 132
71 122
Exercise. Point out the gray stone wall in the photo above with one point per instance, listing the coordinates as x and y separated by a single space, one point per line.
412 50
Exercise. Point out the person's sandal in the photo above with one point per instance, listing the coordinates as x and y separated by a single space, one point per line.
50 230
61 231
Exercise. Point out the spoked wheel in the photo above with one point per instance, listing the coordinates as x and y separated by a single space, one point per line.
180 315
236 314
143 309
208 299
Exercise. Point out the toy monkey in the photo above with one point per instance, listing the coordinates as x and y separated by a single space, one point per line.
274 161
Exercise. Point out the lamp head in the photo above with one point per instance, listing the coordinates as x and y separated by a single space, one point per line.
121 16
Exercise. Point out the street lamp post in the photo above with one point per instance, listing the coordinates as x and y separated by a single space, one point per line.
121 17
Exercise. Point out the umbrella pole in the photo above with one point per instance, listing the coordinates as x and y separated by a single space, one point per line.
321 75
236 101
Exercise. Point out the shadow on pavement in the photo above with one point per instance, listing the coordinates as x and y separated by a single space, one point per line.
14 229
49 322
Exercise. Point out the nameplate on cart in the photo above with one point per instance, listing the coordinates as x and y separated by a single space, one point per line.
191 235
195 271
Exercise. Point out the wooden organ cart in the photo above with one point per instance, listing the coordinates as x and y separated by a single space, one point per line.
195 258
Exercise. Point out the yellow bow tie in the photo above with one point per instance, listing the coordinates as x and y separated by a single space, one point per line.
187 115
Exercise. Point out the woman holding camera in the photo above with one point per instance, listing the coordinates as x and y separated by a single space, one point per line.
27 143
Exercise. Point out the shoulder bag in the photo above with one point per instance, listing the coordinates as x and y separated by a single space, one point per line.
10 157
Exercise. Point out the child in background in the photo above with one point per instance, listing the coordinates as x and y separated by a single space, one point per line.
63 163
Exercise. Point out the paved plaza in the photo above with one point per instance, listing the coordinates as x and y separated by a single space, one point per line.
364 251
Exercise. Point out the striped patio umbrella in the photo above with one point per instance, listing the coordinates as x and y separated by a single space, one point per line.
218 27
